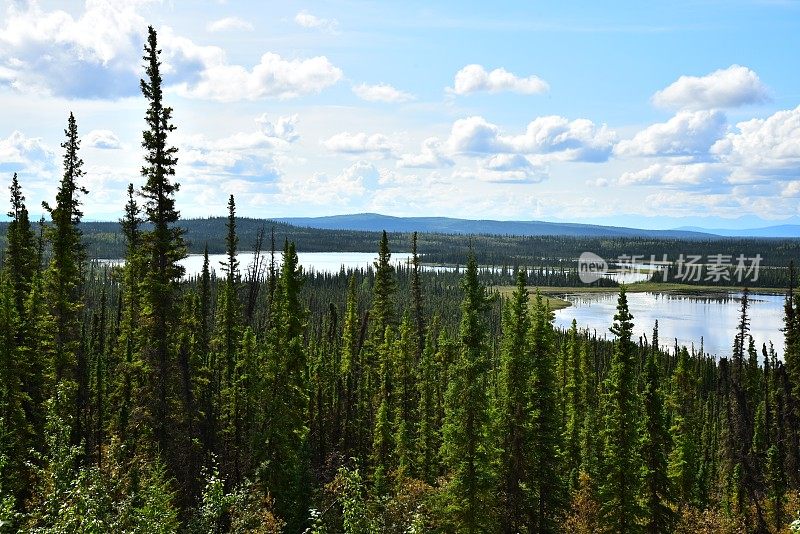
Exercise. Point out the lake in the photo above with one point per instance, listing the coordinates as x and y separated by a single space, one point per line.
320 262
688 317
712 317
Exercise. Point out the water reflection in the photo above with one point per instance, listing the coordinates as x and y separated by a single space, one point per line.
688 317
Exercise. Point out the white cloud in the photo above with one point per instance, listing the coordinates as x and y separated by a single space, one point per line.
686 134
19 153
692 175
272 77
282 128
382 92
228 24
98 55
105 139
307 20
512 168
95 55
354 182
359 143
562 139
253 153
431 156
761 149
685 203
474 78
791 190
724 88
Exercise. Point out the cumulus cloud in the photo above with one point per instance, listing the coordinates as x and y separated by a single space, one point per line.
791 190
688 133
229 24
761 149
20 153
104 139
512 168
353 182
431 156
725 88
248 153
95 55
382 92
683 203
475 78
282 128
755 153
359 143
307 20
562 139
693 175
98 55
272 77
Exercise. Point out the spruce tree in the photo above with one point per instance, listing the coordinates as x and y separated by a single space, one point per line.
514 424
416 298
18 278
467 448
574 406
64 273
382 314
427 434
162 248
657 496
128 346
546 429
20 258
619 488
285 470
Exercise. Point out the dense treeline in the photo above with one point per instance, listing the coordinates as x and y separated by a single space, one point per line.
106 240
388 400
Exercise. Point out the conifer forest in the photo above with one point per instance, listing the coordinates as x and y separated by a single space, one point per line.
265 398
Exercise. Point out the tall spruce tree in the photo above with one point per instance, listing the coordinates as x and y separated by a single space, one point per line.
382 314
657 496
574 406
467 447
130 225
619 488
550 490
514 424
286 445
20 263
64 273
416 298
162 248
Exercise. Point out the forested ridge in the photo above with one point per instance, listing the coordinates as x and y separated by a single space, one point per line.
106 240
266 399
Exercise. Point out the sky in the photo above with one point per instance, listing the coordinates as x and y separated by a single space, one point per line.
655 115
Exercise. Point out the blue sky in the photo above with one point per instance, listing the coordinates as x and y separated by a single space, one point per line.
653 115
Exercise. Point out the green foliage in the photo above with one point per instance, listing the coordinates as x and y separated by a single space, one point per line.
620 469
467 447
118 384
655 442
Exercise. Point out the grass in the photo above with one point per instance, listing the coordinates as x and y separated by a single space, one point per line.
555 303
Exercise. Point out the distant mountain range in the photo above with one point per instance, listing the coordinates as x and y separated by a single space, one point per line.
374 221
783 230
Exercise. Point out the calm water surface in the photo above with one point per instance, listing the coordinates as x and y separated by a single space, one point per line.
321 262
689 318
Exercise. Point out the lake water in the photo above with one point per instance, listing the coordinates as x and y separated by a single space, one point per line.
687 317
320 262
